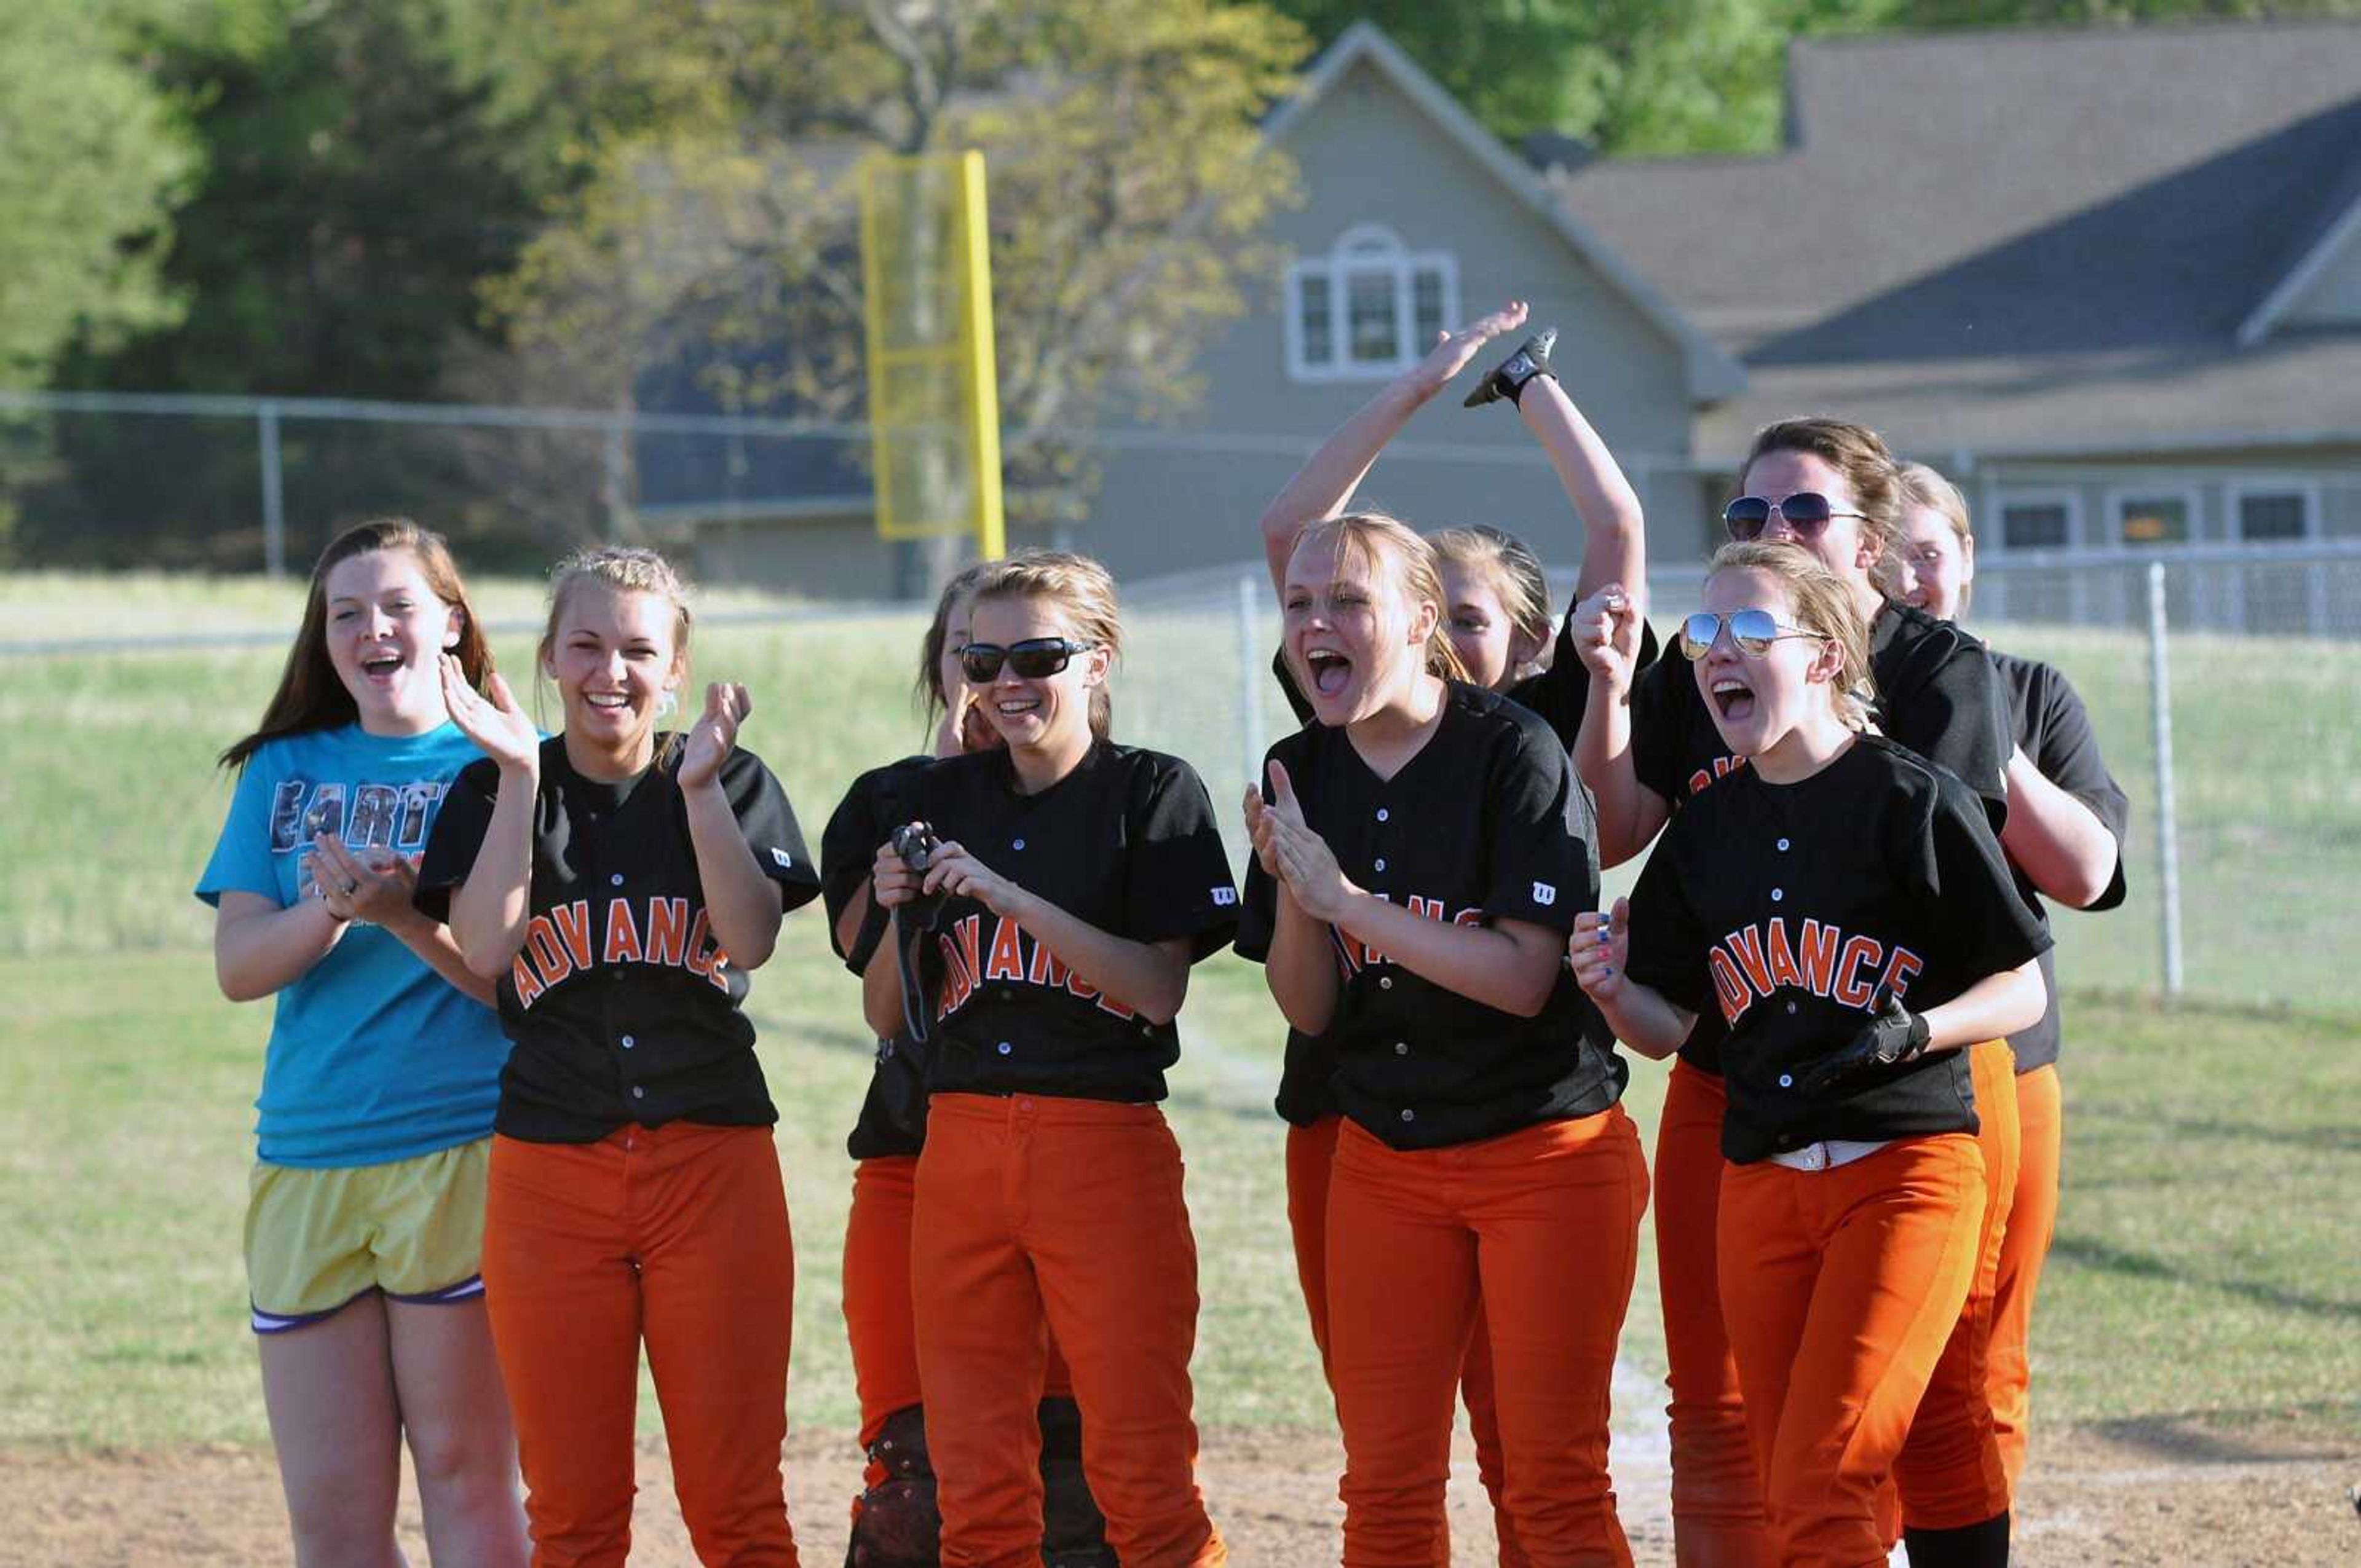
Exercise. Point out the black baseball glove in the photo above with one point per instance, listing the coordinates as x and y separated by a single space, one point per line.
1894 1035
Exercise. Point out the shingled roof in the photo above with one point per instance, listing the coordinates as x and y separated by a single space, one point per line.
2021 241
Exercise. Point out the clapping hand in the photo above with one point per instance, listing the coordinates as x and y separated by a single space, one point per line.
715 734
495 723
1305 862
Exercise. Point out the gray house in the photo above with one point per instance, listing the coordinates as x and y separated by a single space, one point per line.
2109 280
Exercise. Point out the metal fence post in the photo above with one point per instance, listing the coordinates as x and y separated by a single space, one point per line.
615 486
274 502
2168 848
1250 676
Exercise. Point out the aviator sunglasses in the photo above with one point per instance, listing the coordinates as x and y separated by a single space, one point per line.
1751 630
1033 658
1806 511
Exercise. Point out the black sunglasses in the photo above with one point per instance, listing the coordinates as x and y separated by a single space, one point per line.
1806 511
1033 658
1750 631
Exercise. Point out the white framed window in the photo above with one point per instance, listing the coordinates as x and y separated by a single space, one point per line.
2263 510
1368 308
2146 517
2038 520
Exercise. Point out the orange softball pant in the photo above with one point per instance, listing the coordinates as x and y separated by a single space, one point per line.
1717 1491
1311 1155
877 1311
2024 1245
1033 1210
675 1237
1544 1225
1840 1289
1950 1474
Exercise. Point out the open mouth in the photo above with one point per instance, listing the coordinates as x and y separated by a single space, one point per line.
606 702
1330 670
381 665
1734 699
1017 707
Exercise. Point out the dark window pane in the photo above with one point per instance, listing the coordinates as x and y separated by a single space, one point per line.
1375 336
2273 516
1312 311
1426 304
2033 526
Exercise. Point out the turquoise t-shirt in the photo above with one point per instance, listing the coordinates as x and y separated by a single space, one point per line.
373 1057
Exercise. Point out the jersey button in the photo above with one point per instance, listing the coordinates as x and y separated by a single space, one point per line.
1017 843
628 1041
1782 846
638 1093
1002 1047
615 880
1777 893
1385 982
1381 863
1791 1007
1401 1048
1786 1081
1382 813
1409 1114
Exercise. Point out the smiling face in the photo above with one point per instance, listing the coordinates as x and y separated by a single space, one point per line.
1356 638
386 629
1842 547
965 701
613 653
1937 564
1041 713
1486 640
1757 700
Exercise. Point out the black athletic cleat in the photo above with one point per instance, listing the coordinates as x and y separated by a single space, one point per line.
1509 377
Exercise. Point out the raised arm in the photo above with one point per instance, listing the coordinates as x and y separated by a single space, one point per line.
490 908
1614 532
739 900
1323 487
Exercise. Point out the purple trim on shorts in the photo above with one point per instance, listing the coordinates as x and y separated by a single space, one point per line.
468 1289
264 1322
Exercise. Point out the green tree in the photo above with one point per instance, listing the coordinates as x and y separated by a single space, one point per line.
95 159
713 234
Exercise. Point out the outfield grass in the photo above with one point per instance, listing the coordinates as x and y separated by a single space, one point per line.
2204 1263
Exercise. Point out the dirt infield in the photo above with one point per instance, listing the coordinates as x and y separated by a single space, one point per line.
2126 1495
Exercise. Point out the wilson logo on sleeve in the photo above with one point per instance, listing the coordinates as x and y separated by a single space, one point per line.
1544 895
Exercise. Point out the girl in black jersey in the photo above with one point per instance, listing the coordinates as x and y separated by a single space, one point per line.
621 884
1073 884
1423 845
1497 620
895 1522
1648 744
1845 911
2076 815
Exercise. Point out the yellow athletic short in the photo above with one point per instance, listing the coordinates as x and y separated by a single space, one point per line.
318 1240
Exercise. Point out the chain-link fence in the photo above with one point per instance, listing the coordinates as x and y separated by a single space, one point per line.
2261 734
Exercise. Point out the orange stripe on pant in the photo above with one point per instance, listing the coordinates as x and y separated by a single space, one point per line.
677 1236
1717 1491
1950 1473
1034 1210
1311 1155
877 1309
1415 1238
2024 1245
1840 1289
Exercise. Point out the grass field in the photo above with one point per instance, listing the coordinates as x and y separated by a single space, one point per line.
2206 1263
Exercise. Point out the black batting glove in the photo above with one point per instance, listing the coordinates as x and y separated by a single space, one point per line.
1508 378
1895 1036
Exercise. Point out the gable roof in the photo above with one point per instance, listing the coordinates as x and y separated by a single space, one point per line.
2336 238
1712 371
1984 209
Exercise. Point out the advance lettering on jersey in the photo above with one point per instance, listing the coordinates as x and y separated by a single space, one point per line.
1754 961
1353 955
557 944
1013 957
1721 768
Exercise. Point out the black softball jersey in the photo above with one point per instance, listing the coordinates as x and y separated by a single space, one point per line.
623 1006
